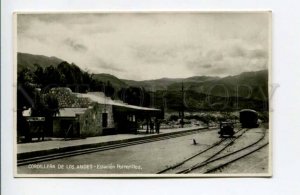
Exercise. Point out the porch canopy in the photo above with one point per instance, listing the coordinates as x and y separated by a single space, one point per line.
120 106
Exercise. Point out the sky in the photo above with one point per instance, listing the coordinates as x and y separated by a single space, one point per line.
144 46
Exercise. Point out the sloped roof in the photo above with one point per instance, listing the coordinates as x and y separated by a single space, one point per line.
70 112
100 98
248 110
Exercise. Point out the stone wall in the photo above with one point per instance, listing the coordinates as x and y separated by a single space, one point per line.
91 120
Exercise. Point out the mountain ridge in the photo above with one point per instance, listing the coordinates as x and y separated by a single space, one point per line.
252 84
26 60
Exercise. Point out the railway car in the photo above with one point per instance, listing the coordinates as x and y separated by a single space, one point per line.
248 118
226 129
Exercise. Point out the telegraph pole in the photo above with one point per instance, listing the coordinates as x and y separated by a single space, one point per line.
182 105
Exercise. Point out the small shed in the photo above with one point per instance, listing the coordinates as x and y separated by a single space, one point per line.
66 123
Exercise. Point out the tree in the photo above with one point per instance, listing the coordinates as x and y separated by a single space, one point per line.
53 78
135 96
109 90
25 89
46 105
39 75
52 105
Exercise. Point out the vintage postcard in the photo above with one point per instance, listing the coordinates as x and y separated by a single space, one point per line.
142 94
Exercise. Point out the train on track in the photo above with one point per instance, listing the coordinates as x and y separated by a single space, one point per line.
248 118
226 129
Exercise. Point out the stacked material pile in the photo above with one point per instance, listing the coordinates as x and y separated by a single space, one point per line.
67 99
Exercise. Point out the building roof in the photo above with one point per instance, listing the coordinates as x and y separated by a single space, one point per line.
70 112
63 112
100 98
248 110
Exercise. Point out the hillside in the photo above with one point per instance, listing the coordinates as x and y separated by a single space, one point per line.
29 60
117 83
152 85
194 101
246 90
248 85
253 85
164 83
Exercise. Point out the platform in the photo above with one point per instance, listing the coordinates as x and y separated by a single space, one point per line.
26 150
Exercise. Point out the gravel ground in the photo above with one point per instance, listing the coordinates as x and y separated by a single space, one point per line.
153 157
144 158
254 163
251 136
250 165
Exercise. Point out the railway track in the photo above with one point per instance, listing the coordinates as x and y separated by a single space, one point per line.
217 146
216 163
32 160
211 170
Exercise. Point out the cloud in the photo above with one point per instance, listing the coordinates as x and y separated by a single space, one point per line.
215 55
207 66
238 51
150 45
75 46
154 54
231 58
258 53
109 66
244 52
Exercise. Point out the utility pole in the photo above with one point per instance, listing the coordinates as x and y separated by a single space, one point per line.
182 105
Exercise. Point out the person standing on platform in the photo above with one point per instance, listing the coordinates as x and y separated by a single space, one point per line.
151 126
157 125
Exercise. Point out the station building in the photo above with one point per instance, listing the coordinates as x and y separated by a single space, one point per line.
93 114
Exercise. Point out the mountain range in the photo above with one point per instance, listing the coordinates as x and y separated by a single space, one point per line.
246 86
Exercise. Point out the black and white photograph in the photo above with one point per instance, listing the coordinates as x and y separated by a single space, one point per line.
143 94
